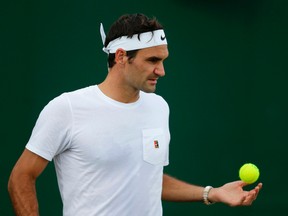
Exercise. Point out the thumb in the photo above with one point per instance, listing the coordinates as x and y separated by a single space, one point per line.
242 183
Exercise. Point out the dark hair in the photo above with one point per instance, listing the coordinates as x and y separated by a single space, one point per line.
128 25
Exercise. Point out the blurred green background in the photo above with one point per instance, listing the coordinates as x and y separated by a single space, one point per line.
226 83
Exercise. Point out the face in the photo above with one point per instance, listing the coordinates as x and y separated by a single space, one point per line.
143 71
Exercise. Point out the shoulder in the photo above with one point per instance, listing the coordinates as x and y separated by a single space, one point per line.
154 99
80 92
75 95
152 96
64 100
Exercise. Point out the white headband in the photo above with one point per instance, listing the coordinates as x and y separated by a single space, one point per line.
145 40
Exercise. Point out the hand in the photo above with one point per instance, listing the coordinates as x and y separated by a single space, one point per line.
233 194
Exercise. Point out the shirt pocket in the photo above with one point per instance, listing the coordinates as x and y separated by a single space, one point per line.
155 147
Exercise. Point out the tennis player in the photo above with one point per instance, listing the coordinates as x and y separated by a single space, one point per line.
110 141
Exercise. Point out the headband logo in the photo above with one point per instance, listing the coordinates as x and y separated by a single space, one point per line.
163 37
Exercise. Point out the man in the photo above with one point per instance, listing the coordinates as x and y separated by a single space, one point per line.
109 142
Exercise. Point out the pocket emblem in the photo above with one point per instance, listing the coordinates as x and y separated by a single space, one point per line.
156 144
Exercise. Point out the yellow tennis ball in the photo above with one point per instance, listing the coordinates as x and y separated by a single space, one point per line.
249 173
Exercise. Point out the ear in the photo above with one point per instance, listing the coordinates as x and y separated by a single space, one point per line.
120 56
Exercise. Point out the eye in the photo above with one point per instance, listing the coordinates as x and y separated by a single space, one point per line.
153 59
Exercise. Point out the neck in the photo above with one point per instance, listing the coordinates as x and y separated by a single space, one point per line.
113 87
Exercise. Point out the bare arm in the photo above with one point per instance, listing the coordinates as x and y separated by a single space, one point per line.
21 185
180 191
231 193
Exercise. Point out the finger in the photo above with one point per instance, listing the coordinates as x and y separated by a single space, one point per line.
257 189
260 186
252 195
243 184
249 199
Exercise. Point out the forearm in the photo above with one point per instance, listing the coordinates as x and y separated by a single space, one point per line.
231 193
180 191
23 195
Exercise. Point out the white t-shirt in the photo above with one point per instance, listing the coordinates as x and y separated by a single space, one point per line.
109 156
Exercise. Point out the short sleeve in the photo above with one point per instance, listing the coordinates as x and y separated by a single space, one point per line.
52 131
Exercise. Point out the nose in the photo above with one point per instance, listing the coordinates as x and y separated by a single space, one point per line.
159 70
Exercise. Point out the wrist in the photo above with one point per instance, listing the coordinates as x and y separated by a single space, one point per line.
206 193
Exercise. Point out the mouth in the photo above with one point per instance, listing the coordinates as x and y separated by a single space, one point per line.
152 81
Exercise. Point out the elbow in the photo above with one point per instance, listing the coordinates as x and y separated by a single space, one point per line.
19 179
16 181
11 183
